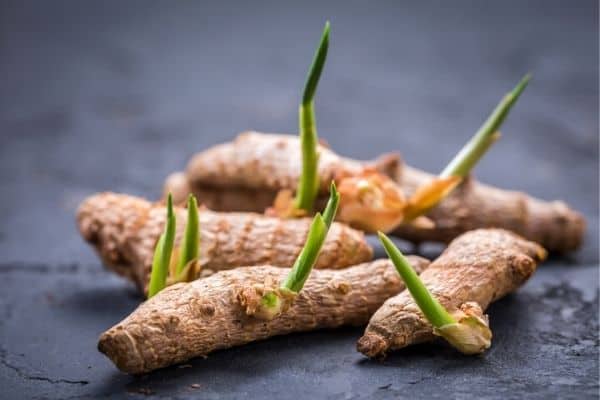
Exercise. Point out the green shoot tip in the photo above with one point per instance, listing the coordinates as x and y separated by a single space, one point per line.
162 252
332 205
316 68
516 92
435 313
169 204
191 237
462 164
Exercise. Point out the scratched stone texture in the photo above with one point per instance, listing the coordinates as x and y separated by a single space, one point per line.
115 95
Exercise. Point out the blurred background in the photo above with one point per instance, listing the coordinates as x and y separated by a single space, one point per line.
115 95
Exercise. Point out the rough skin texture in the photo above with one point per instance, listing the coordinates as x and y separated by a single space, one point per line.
480 266
124 230
247 173
475 205
188 320
267 161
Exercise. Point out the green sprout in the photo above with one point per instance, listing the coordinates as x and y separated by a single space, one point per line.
189 246
314 241
487 134
435 313
332 205
432 193
162 274
276 301
467 330
308 185
162 253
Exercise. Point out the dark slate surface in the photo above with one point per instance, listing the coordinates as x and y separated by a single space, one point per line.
113 96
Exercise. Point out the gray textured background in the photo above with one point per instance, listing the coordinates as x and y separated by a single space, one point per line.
114 96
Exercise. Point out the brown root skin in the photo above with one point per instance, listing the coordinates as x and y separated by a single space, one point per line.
189 320
247 174
479 266
270 162
124 230
473 205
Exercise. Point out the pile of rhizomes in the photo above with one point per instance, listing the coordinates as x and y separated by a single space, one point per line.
239 268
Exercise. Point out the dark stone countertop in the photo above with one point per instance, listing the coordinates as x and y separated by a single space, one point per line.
114 96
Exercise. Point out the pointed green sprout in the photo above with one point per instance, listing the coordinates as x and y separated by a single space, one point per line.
332 205
274 302
161 274
189 246
467 330
470 154
466 159
435 313
308 185
314 241
162 253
